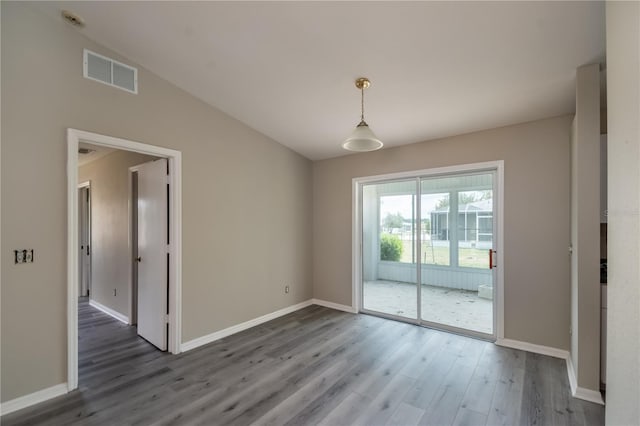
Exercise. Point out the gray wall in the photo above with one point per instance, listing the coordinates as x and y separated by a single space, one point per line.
246 199
536 218
110 256
623 297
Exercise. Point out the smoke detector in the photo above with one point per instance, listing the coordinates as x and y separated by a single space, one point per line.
73 19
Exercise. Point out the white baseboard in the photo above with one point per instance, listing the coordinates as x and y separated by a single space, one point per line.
200 341
332 305
589 395
578 392
115 314
33 398
530 347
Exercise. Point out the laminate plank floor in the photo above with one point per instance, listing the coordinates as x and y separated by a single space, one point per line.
313 366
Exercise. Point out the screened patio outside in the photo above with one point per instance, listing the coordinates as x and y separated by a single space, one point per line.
455 226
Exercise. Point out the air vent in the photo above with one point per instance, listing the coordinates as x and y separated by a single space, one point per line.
110 72
85 151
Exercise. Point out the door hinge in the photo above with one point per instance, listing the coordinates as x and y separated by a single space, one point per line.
166 318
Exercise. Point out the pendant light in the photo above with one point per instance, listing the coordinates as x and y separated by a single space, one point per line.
362 138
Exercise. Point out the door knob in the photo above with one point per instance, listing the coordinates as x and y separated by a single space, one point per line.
138 259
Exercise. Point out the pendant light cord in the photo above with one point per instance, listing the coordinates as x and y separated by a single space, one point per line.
362 104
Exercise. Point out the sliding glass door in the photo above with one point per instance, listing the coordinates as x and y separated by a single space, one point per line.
457 282
443 239
389 236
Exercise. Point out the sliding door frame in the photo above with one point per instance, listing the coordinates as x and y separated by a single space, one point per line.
356 285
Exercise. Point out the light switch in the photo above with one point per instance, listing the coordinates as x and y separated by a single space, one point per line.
23 256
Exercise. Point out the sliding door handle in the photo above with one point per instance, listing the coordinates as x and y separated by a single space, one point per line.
492 260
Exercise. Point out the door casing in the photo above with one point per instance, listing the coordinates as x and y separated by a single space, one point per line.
74 137
358 182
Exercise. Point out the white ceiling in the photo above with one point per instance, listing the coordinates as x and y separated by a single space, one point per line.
287 68
97 152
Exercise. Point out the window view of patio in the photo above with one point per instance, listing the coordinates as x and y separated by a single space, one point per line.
455 228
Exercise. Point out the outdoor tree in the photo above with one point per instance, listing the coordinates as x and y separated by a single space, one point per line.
393 221
465 198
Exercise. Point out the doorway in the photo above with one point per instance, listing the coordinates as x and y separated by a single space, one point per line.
172 252
429 248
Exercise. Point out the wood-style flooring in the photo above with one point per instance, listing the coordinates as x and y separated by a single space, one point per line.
314 366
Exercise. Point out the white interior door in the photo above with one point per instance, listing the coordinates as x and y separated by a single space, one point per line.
153 252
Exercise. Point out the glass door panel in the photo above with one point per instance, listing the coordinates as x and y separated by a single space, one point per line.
475 224
389 248
457 233
435 229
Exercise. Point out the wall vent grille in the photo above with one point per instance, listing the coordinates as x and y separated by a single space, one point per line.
109 71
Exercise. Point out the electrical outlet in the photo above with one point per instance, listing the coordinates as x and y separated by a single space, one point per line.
286 289
23 256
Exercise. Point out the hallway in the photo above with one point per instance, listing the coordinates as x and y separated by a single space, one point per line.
108 349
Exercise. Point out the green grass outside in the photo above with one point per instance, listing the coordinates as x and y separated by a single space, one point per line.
467 257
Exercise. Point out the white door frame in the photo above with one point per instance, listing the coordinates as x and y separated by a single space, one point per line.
356 226
87 184
74 137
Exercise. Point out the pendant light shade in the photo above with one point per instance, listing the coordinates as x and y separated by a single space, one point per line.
362 138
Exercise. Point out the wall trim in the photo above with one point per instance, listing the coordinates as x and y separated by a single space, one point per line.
217 335
332 305
531 347
33 398
588 395
107 310
578 392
